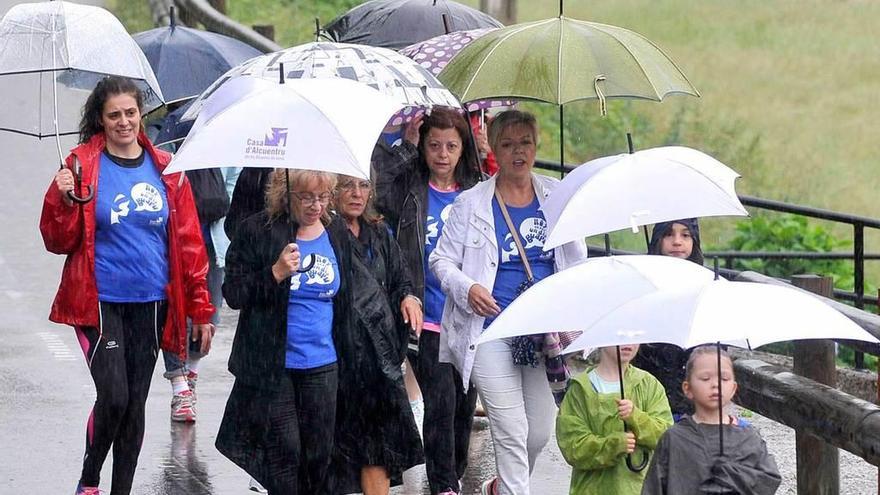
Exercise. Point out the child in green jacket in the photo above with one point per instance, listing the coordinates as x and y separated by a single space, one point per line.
589 428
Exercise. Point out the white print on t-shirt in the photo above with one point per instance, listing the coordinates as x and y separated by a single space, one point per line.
432 231
122 210
532 233
146 198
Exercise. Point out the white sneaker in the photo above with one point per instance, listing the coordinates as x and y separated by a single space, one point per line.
256 487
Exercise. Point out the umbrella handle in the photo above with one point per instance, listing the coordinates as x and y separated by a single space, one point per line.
309 263
641 465
82 200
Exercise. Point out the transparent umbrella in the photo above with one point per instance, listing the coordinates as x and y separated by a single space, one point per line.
52 54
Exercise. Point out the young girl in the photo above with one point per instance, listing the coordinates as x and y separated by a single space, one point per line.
687 458
589 428
679 239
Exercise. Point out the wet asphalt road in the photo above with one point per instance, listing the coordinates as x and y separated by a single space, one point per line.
46 391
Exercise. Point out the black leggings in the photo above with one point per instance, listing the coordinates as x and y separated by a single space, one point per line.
449 414
121 354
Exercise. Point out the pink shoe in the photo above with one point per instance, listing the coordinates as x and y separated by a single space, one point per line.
87 490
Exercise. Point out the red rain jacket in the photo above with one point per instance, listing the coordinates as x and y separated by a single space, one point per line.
70 230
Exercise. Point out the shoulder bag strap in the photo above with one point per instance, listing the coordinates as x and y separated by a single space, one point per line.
515 234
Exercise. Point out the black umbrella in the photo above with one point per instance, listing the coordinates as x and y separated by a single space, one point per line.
399 23
186 61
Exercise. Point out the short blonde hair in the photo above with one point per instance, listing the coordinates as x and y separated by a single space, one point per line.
277 199
370 215
511 118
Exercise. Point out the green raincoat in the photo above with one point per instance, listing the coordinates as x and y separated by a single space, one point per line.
591 437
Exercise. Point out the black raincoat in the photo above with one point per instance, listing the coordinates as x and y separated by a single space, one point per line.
257 359
686 462
374 422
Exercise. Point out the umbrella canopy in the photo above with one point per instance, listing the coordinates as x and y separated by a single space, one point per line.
398 23
434 54
186 61
387 71
52 54
561 60
737 313
574 299
645 187
330 125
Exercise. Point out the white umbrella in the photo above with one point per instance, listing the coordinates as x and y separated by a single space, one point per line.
737 313
576 298
629 190
384 70
330 125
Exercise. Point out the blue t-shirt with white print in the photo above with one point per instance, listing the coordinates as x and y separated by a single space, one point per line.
310 307
439 204
532 227
131 232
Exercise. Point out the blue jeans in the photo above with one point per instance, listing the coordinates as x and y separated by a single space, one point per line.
173 365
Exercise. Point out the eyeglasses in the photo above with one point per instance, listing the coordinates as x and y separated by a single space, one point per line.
309 199
350 186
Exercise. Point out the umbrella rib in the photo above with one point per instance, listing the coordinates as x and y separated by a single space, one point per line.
497 45
559 68
600 27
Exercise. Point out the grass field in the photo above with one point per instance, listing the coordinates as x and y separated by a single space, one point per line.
790 89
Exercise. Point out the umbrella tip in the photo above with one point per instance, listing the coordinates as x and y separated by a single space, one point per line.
629 142
171 21
317 29
281 73
717 269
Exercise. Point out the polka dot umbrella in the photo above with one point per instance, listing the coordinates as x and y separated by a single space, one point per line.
435 53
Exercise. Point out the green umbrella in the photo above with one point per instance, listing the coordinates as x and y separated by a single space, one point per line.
561 60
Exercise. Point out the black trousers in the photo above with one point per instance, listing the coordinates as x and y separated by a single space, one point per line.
302 418
449 414
121 354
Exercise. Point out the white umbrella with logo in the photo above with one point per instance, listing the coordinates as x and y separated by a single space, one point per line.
329 125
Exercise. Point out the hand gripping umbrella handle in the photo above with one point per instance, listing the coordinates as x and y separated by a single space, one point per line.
80 199
629 462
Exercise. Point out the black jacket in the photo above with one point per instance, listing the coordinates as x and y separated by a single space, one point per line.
402 198
258 349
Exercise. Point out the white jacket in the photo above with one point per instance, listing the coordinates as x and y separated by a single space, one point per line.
467 254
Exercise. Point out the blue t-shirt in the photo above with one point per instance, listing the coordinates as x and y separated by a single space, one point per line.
439 204
532 227
131 232
310 307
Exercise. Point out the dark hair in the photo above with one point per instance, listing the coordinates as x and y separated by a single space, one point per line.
662 229
467 171
90 124
701 350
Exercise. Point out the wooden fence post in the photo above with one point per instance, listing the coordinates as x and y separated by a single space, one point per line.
818 469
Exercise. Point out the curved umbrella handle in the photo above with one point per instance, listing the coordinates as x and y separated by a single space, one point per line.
641 465
82 200
308 263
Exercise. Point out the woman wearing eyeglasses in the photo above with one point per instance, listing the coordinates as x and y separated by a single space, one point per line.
279 419
376 434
